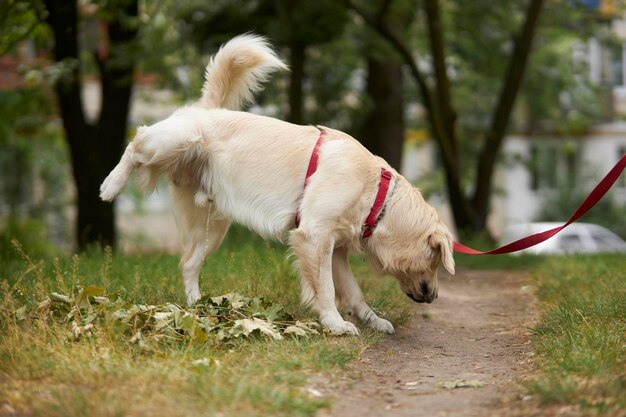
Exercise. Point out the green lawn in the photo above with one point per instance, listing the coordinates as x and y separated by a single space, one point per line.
581 337
45 369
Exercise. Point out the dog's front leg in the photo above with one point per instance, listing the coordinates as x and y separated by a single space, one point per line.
351 296
315 264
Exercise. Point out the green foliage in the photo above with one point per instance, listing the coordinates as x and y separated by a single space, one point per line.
580 338
34 163
307 22
166 51
329 88
207 25
19 20
556 96
331 59
478 35
27 230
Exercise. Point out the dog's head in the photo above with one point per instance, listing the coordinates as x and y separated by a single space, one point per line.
419 280
411 244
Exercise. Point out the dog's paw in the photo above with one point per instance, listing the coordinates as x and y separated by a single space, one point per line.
193 296
110 188
382 325
338 327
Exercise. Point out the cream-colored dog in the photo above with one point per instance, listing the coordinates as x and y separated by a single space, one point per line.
225 165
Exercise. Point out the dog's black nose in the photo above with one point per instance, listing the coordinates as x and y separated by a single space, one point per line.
428 293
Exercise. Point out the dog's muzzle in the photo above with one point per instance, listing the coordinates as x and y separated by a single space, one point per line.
426 296
423 299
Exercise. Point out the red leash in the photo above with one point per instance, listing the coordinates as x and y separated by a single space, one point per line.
526 242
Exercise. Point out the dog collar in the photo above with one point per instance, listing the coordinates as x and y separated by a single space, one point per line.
376 212
378 208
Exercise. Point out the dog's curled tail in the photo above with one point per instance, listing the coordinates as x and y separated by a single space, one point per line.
236 72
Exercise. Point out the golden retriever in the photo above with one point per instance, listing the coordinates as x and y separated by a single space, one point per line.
225 165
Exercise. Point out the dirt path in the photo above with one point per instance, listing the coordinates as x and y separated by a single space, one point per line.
477 331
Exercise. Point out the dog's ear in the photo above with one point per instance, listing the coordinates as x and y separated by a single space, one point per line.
441 244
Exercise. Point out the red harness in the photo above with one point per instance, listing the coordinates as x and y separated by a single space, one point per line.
383 187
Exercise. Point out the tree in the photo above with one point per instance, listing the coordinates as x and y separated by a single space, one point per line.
384 128
300 25
95 147
470 210
19 20
297 25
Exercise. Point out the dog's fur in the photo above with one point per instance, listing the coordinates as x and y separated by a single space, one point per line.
225 165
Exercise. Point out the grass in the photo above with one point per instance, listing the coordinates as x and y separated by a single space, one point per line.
581 337
580 340
45 372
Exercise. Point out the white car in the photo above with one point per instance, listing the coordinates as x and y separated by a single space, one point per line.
575 238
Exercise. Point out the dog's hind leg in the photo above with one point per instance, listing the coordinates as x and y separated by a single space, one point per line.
115 182
202 231
315 264
350 294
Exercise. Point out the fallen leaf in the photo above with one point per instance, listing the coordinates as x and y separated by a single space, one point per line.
295 331
314 392
224 318
55 296
202 362
257 324
460 383
20 313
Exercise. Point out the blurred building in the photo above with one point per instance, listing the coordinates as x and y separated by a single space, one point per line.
536 166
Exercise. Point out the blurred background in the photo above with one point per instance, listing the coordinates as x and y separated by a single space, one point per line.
499 112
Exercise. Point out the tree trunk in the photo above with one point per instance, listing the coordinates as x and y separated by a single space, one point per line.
502 114
383 128
95 149
297 59
442 117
